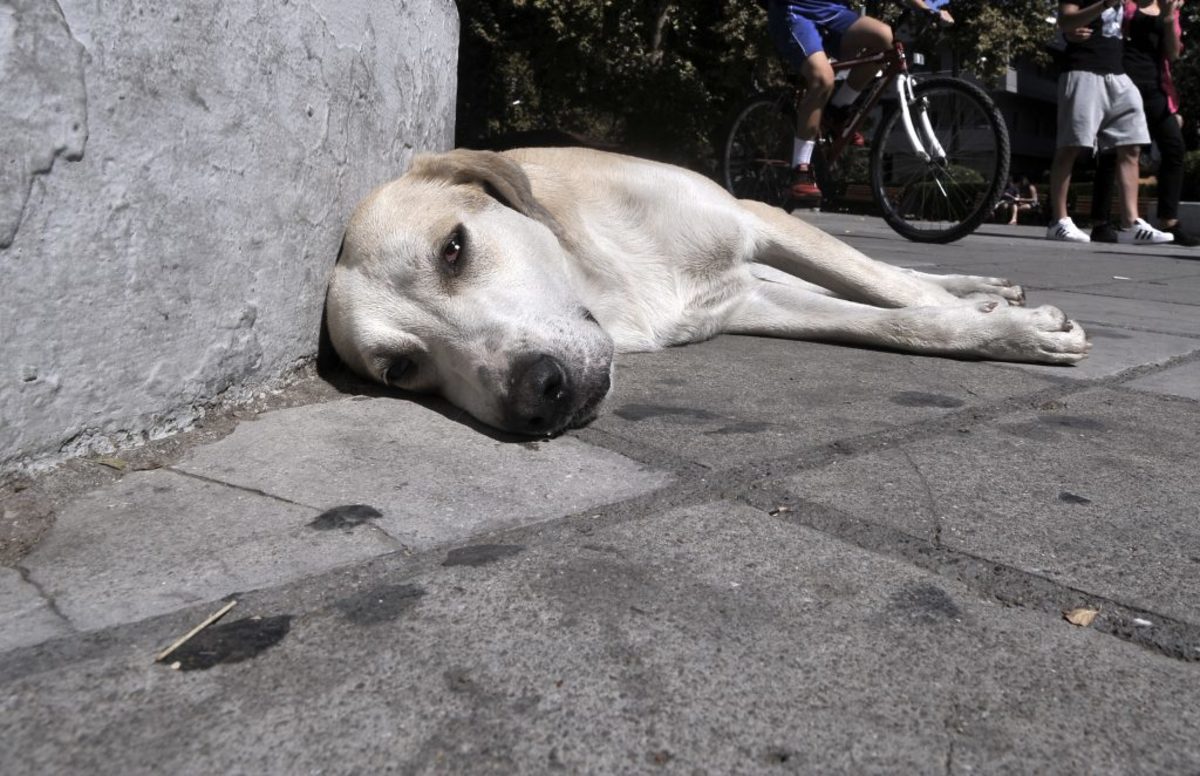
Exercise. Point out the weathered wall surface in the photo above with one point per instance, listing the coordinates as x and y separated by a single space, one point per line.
174 179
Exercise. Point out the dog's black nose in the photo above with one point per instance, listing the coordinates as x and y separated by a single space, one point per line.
541 395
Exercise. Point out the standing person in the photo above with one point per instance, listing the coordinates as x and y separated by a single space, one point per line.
1153 40
808 33
1098 105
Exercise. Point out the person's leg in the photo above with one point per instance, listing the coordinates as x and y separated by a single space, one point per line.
818 78
1127 183
865 36
799 42
1079 115
1102 189
1123 127
1060 180
1165 130
1061 226
1134 230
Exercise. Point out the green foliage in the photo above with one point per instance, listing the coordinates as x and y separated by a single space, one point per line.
1186 74
989 34
962 174
657 78
661 78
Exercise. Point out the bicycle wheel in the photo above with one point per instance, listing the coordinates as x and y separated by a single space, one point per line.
758 149
940 198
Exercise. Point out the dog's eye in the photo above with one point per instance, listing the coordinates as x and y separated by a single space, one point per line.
452 248
401 368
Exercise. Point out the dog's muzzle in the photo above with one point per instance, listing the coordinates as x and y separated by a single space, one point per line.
545 397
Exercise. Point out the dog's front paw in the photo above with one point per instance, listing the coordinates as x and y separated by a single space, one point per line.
1043 335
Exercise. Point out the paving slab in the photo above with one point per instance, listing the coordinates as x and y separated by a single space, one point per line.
1020 253
1177 289
26 617
432 477
1183 380
1123 312
764 556
1116 350
1113 274
736 399
1077 492
709 639
154 542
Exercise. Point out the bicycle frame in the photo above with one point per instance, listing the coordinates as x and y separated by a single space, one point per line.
894 71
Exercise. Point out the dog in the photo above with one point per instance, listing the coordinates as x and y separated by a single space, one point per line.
506 282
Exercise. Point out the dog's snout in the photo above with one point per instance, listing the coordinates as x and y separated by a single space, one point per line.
541 397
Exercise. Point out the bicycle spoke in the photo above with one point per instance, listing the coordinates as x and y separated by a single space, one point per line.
757 160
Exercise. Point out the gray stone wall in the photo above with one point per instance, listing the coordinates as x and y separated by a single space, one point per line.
174 180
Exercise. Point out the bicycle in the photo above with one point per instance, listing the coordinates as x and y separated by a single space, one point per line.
938 161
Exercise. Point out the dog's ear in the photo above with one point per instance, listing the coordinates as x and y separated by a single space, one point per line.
500 177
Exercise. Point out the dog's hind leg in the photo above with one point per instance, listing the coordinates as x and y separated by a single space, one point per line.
976 286
985 329
788 244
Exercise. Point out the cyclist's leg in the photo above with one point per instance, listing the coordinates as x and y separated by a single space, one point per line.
818 77
866 35
799 42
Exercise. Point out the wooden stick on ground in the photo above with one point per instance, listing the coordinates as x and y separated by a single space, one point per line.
183 639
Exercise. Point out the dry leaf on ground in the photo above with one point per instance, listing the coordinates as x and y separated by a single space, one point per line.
1082 617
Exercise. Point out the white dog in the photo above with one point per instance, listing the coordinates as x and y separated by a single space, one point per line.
507 281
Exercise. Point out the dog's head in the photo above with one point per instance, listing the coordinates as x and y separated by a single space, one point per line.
454 280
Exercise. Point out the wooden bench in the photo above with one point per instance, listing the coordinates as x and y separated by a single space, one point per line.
1082 207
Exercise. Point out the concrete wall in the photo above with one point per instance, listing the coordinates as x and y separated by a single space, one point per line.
174 179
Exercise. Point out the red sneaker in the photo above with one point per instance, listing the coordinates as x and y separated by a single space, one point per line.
804 186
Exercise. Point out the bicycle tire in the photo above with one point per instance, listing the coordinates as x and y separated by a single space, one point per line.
756 156
940 202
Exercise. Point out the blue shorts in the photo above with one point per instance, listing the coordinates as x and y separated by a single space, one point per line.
800 28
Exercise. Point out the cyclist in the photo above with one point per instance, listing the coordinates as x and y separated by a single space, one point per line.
808 33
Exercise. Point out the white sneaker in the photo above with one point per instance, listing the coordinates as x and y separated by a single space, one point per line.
1141 233
1067 231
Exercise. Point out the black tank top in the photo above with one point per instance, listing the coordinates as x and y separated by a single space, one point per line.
1100 53
1143 50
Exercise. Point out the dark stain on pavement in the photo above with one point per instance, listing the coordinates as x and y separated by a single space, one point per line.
346 516
232 642
458 679
659 757
380 604
481 554
743 427
923 603
636 412
919 399
1107 334
778 756
1070 498
1046 428
1074 422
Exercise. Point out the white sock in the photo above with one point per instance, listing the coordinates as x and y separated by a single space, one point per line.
844 96
802 151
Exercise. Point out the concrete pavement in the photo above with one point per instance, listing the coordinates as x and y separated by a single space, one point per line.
765 556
